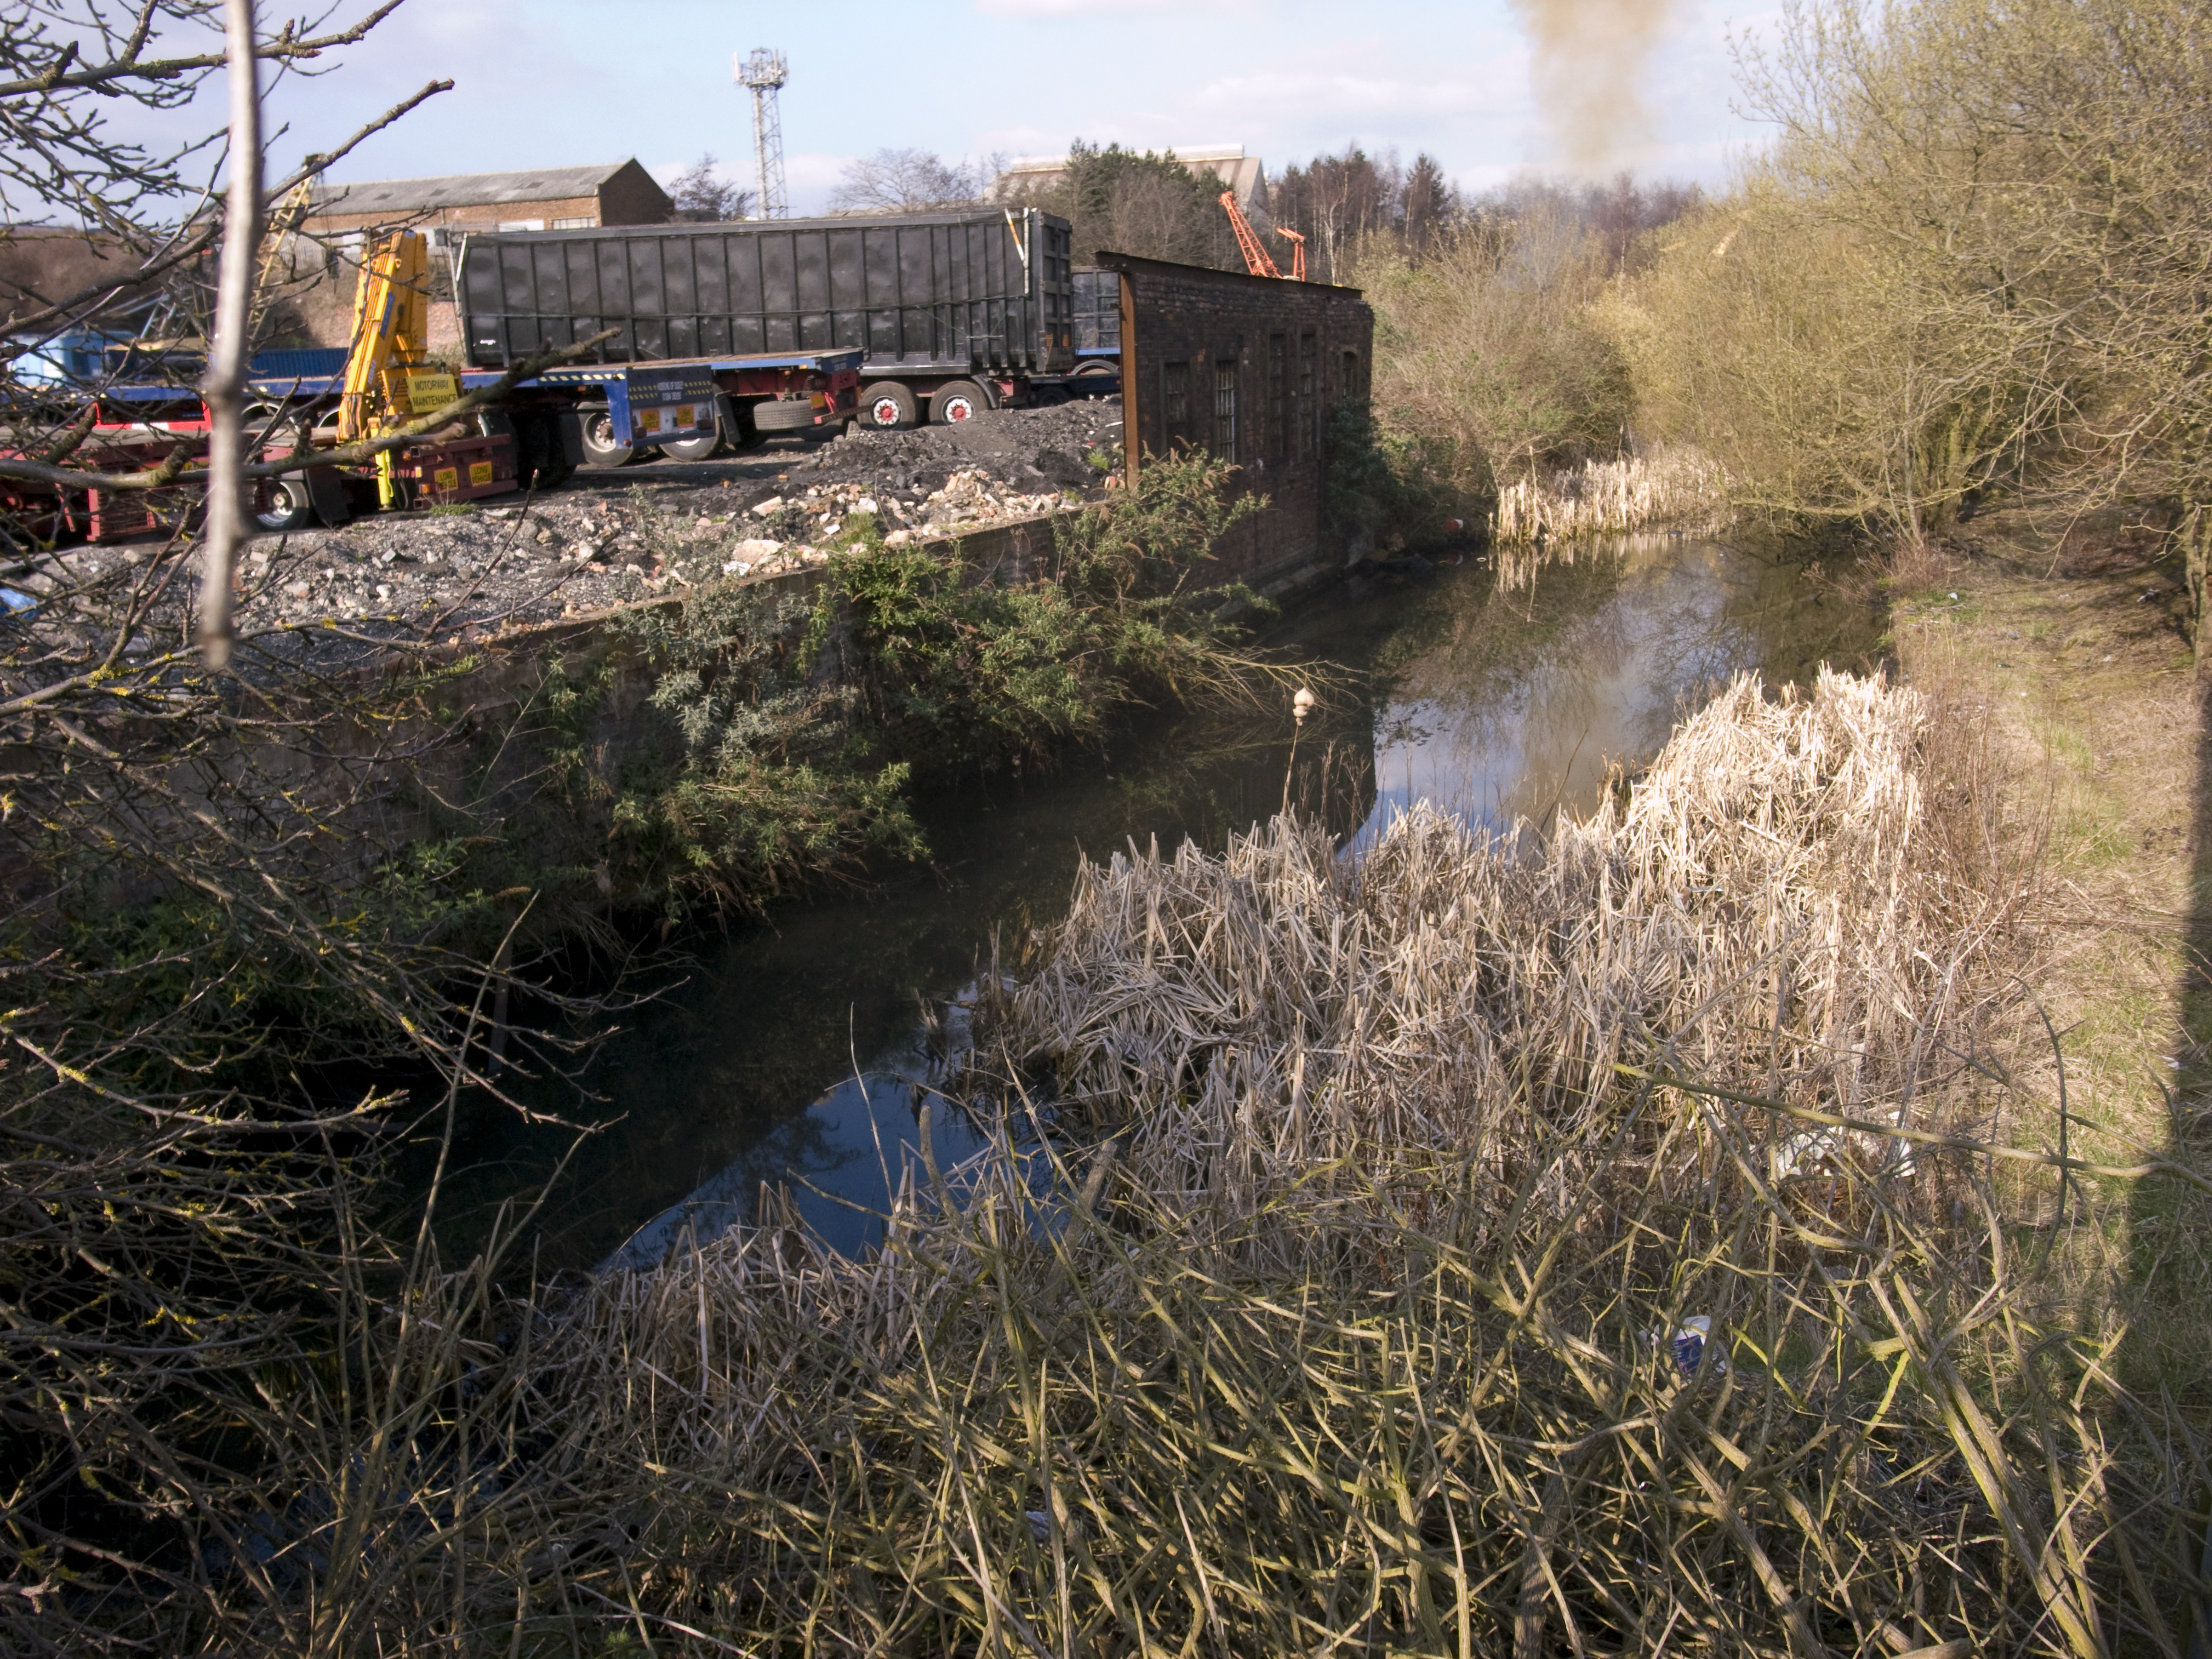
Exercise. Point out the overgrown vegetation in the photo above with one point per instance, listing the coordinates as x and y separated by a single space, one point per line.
1973 263
745 743
1643 1236
1496 362
1384 486
1492 1248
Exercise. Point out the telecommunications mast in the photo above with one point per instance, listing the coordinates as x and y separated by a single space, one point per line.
763 74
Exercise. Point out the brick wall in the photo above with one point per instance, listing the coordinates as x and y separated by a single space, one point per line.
1246 368
629 196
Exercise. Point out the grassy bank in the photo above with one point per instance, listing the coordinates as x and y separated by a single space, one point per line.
240 902
2073 647
776 740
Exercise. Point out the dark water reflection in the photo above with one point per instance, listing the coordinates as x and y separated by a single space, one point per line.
801 1050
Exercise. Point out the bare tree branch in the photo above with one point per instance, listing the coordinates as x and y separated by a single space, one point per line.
184 252
128 67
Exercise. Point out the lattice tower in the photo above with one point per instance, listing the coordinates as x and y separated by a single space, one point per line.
763 74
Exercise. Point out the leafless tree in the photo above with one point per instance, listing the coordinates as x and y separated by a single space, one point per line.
201 908
701 193
910 180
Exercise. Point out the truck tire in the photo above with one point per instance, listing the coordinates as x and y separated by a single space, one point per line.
600 448
957 401
889 406
692 449
783 415
285 505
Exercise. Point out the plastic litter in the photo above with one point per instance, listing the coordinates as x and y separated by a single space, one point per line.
1689 1345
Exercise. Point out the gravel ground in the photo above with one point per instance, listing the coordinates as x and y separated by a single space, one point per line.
609 537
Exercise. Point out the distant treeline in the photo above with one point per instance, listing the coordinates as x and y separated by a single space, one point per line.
1348 206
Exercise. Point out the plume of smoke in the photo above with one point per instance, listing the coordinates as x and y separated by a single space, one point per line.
1590 59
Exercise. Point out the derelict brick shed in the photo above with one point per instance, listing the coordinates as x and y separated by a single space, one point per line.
1246 368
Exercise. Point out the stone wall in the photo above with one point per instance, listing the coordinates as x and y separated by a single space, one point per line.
1245 367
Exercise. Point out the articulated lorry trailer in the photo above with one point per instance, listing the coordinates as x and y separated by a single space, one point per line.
307 407
952 313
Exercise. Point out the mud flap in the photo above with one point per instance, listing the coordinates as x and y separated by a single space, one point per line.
326 493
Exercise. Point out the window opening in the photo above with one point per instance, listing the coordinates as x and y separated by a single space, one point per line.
1224 409
1279 422
1309 394
1174 389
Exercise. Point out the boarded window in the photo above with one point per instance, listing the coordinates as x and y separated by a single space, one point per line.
1279 392
522 224
1309 420
1174 398
1224 409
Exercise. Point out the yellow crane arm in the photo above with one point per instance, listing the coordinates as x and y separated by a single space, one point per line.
391 323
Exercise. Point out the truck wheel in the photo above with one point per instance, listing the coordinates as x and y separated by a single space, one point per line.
285 505
890 406
692 449
600 448
957 401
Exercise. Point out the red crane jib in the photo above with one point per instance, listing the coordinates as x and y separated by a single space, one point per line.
1255 257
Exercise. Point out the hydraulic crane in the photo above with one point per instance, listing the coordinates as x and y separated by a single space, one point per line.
390 329
1256 259
384 374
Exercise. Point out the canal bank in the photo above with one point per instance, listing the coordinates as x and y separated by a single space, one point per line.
795 1046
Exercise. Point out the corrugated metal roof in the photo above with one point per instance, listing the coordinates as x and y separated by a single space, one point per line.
464 189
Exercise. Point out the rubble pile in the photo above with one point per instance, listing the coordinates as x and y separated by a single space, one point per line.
616 536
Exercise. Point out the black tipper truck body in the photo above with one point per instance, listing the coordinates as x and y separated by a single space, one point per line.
976 300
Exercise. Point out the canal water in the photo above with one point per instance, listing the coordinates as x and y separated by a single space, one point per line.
798 1050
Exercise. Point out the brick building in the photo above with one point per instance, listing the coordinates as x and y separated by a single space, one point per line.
325 254
1247 368
542 198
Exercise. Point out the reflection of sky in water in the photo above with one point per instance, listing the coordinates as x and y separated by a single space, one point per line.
1603 689
843 1159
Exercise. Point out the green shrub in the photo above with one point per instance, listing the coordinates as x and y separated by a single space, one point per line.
1383 489
781 736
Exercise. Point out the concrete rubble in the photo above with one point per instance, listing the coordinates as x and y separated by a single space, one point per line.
609 537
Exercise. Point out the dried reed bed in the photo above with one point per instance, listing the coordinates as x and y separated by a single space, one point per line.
1668 486
1762 909
1386 1193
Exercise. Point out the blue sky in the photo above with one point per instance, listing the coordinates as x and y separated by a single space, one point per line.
565 81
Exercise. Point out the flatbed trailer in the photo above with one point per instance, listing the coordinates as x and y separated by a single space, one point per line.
537 434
